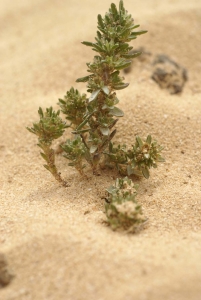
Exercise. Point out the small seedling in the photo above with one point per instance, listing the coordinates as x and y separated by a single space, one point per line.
92 118
49 128
122 209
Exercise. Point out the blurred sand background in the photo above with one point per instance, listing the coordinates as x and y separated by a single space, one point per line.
53 237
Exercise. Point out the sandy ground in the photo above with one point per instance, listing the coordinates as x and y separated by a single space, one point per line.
53 237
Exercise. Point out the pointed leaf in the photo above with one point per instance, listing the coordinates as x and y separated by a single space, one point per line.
139 32
140 143
123 65
47 167
43 156
30 129
132 55
100 21
145 172
125 32
136 26
120 86
85 121
94 95
106 90
98 48
149 139
114 9
62 101
88 44
114 74
40 112
121 6
83 79
116 112
99 34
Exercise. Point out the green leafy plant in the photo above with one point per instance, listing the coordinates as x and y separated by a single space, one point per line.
92 118
49 128
138 160
122 209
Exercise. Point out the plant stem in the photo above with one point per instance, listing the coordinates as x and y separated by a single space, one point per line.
50 159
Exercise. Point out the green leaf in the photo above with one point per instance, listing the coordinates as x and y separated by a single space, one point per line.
99 34
94 95
83 79
121 6
131 55
149 139
98 48
30 130
145 172
125 32
139 32
136 26
102 29
140 143
114 9
62 101
40 112
88 44
106 90
100 21
120 86
85 121
114 74
47 167
116 112
123 65
43 156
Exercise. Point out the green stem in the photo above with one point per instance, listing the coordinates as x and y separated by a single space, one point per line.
51 167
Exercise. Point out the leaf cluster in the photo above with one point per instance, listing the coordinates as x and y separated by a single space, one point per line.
49 127
73 106
115 31
75 151
138 160
122 210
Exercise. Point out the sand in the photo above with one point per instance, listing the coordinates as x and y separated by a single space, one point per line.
54 238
